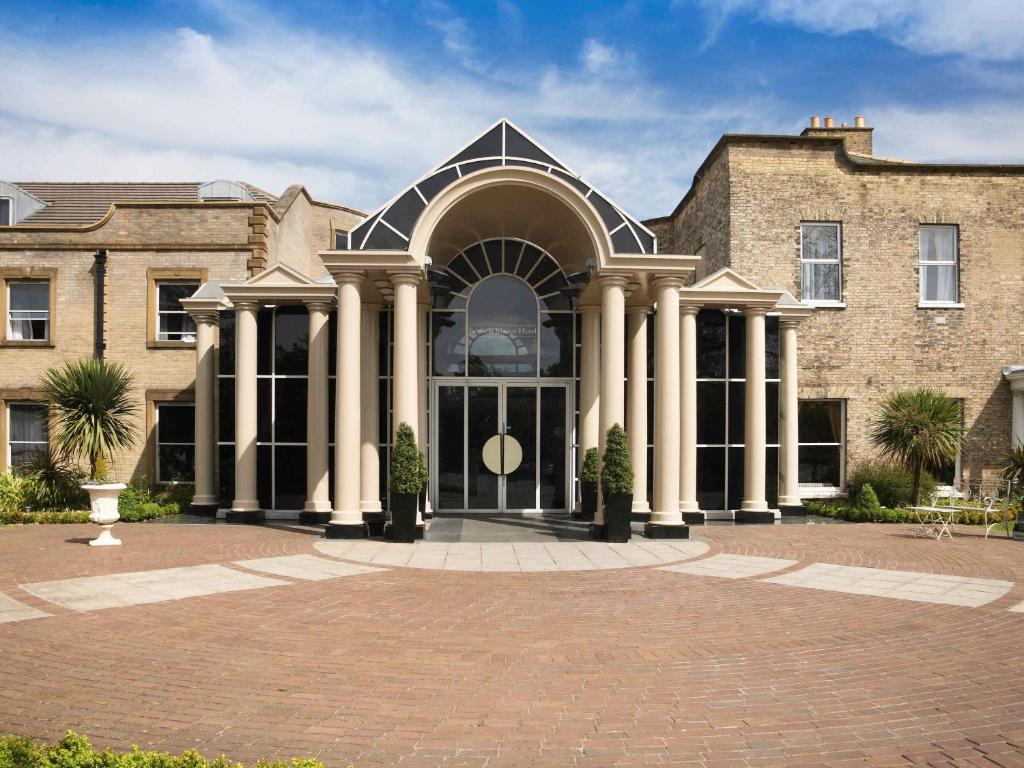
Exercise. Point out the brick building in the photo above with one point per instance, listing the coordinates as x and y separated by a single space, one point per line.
899 274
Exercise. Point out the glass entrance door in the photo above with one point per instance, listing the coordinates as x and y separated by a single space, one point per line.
500 447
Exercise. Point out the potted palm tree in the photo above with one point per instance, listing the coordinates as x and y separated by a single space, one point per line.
407 477
921 429
91 417
588 485
617 485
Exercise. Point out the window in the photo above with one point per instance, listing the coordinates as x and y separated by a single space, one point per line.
6 211
28 313
175 442
820 263
938 264
173 322
28 432
822 437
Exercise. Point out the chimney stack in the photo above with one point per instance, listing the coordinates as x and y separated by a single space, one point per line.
815 121
857 138
858 121
829 122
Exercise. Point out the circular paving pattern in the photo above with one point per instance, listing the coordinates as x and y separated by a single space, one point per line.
627 666
514 557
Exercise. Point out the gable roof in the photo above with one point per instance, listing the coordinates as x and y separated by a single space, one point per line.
76 203
503 144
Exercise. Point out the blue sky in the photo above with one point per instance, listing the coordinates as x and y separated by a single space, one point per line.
357 99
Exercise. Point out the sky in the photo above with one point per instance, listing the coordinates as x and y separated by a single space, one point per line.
356 100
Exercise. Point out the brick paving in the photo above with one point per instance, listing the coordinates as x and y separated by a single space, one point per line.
413 667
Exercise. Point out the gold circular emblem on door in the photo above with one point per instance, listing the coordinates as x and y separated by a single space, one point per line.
502 462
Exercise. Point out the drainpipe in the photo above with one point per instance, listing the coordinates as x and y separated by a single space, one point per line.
100 274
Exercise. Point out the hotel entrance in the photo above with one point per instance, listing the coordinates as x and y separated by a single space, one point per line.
501 447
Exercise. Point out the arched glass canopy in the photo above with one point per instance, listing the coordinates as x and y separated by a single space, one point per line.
505 315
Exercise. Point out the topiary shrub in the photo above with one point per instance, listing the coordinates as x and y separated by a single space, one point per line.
617 469
406 467
893 485
589 472
866 501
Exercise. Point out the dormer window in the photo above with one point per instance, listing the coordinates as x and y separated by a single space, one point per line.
223 190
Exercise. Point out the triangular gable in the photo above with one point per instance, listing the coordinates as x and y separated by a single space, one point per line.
502 144
727 279
279 275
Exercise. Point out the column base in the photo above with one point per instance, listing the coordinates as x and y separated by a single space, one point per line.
202 510
792 510
249 516
345 531
596 531
754 517
314 517
661 531
694 518
375 522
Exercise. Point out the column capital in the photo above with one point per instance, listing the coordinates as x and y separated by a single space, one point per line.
349 278
754 311
689 309
319 305
786 321
372 306
205 316
666 281
638 309
405 278
246 305
590 309
614 280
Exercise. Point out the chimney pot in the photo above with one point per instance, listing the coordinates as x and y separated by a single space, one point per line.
858 121
829 122
815 121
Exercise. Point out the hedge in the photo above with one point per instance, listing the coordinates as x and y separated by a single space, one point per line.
838 510
135 504
74 751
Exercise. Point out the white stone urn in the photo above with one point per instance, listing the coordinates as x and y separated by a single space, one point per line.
103 501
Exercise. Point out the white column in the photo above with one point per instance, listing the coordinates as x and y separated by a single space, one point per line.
789 435
1018 416
755 424
636 420
318 497
206 379
590 381
406 401
246 497
346 519
369 456
422 390
688 408
613 361
666 398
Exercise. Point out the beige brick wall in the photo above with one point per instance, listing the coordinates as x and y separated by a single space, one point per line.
701 227
881 341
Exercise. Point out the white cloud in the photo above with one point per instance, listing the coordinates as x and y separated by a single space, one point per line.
596 56
982 29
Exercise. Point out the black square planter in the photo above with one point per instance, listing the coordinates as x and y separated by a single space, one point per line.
403 517
618 514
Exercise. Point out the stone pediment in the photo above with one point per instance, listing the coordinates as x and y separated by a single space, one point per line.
280 284
728 288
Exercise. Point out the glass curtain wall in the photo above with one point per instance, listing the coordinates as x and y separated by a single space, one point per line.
721 394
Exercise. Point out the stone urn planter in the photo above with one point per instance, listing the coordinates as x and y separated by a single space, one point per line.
103 502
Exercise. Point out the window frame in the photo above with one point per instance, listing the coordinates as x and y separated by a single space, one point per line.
954 263
154 278
155 401
10 211
809 491
838 261
8 442
28 274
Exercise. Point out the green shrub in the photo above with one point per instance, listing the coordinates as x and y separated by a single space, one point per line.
893 485
54 483
867 501
12 493
74 751
617 469
179 494
406 466
589 472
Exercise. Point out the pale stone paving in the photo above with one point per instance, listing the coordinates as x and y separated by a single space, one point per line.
12 610
732 566
305 567
513 556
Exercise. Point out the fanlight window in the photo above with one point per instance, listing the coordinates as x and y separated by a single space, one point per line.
505 315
